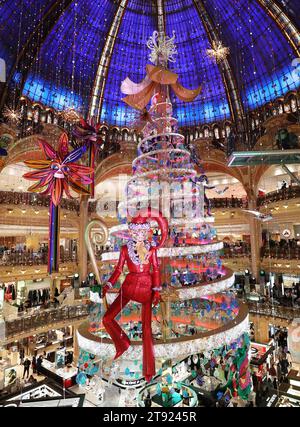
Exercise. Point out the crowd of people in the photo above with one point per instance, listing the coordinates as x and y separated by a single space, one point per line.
277 371
34 363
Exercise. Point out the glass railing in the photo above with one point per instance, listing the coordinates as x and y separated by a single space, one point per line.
271 310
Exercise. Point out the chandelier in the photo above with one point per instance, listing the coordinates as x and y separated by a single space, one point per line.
70 115
12 115
218 52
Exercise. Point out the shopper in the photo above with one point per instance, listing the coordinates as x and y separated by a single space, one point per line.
148 401
32 380
273 375
33 364
27 364
284 364
39 364
21 355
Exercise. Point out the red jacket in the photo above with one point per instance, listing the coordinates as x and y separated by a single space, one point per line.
135 268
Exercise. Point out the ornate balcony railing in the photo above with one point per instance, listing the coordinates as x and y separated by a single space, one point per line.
288 250
28 323
34 200
225 135
291 192
30 258
229 203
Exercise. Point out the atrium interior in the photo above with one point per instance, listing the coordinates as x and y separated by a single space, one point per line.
150 203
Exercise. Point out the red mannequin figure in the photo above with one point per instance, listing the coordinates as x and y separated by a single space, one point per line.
141 285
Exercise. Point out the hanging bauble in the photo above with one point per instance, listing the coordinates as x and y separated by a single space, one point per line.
94 370
169 379
81 378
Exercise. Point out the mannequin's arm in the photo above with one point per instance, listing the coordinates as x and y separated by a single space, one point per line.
156 283
117 271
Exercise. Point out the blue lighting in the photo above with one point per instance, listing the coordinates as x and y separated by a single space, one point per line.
129 59
259 95
194 67
17 22
260 54
55 68
54 96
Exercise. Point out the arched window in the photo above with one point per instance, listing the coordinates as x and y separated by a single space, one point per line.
216 132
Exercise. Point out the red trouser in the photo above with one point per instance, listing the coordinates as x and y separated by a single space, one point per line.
137 288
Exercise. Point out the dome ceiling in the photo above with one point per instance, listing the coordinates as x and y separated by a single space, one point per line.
76 53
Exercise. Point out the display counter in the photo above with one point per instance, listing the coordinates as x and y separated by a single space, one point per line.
65 376
170 397
43 394
260 353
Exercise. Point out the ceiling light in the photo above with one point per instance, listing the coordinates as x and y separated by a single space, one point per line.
218 52
12 115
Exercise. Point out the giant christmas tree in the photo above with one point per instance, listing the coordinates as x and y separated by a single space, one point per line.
199 319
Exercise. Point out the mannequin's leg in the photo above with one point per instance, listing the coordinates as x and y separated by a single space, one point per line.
148 349
118 336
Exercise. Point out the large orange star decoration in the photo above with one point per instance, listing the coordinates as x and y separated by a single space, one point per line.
59 173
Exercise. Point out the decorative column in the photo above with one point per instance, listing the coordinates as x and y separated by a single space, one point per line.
255 240
52 288
254 224
83 221
75 346
2 322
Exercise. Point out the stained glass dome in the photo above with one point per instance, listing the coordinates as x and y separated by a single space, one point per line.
76 53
